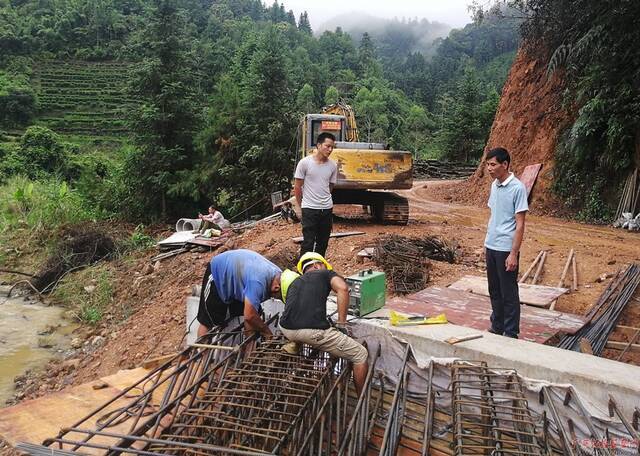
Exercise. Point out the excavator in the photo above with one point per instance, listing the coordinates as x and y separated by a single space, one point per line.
363 167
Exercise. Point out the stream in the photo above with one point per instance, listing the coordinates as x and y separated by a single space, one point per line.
30 334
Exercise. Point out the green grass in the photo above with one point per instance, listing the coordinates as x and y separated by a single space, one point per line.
88 294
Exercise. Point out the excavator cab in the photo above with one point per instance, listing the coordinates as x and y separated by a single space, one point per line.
362 166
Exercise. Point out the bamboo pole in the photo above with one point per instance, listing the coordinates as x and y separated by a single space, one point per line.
574 267
533 265
540 266
563 276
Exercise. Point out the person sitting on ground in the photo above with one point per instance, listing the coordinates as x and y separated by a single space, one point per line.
304 319
235 284
214 219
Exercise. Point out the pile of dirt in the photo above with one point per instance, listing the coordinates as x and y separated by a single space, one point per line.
79 246
528 123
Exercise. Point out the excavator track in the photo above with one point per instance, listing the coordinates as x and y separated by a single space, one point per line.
392 209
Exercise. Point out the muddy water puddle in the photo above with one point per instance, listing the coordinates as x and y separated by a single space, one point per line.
30 334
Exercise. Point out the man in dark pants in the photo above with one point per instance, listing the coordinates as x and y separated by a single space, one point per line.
508 204
235 284
315 177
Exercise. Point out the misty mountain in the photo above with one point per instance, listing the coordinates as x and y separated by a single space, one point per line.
393 38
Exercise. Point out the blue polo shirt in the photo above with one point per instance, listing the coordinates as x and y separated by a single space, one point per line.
505 201
240 274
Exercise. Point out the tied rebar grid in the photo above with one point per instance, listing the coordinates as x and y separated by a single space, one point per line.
490 412
136 416
264 406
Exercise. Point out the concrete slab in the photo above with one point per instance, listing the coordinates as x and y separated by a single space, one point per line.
592 376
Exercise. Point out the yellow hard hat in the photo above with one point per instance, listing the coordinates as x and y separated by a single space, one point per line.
286 279
312 257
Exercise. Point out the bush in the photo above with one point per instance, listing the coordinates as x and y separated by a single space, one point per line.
40 206
17 101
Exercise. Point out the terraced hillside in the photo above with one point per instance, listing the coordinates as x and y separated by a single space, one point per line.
85 99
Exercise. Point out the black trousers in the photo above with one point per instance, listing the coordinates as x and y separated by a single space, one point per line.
316 229
212 310
503 290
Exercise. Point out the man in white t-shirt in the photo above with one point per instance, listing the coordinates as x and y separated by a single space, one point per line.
315 177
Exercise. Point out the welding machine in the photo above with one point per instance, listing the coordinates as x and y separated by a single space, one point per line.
366 292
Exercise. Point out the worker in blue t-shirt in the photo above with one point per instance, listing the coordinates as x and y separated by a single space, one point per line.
235 284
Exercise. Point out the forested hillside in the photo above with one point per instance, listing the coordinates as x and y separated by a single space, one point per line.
154 108
572 102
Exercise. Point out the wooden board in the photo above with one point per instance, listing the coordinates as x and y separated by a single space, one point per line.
473 311
529 176
299 239
38 419
535 295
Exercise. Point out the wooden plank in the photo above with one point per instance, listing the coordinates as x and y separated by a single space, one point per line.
299 239
473 311
534 295
622 345
529 176
37 419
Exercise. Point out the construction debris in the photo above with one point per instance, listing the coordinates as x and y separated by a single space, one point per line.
629 204
299 239
406 260
604 315
435 169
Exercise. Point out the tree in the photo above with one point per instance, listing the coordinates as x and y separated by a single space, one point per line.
304 25
461 135
305 101
331 95
371 113
368 63
163 125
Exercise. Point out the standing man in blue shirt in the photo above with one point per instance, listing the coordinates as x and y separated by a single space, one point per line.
235 284
508 204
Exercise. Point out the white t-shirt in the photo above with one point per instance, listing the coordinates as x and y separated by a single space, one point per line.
317 177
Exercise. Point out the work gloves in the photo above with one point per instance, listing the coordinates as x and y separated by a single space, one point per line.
344 328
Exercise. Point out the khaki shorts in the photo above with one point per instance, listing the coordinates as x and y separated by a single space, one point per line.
331 341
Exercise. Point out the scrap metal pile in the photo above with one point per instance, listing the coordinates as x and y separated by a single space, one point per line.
604 315
233 395
406 260
435 169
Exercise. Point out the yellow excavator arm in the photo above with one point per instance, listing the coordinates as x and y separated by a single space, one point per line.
343 109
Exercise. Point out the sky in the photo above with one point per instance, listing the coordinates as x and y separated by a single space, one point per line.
451 12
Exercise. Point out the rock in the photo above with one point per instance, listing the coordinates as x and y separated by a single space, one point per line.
97 341
156 266
76 342
99 385
71 364
45 342
90 288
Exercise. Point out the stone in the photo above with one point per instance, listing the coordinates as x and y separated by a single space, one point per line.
90 288
76 342
71 364
97 341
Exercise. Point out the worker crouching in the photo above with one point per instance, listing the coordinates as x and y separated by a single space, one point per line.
305 316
